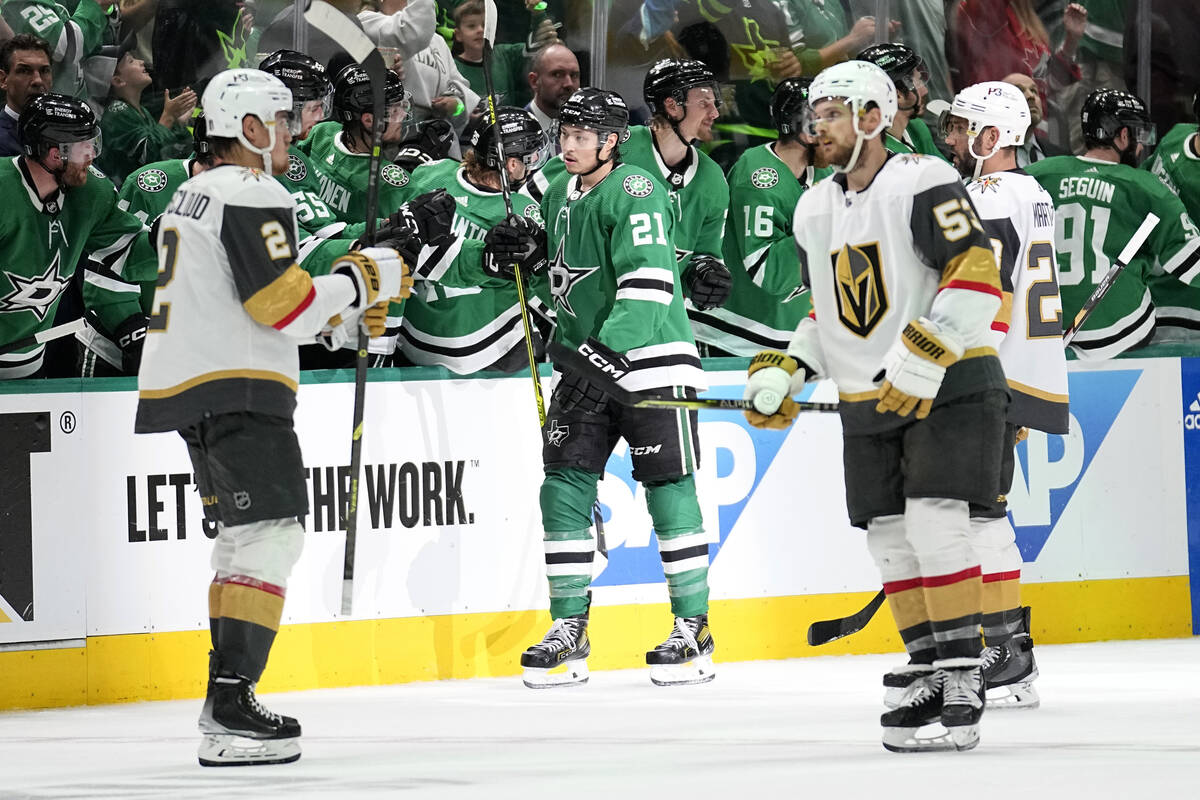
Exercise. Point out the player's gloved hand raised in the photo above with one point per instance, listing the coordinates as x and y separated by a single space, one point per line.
772 379
914 367
516 241
379 274
575 391
708 282
429 142
427 216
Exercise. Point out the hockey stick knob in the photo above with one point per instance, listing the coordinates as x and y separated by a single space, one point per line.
767 402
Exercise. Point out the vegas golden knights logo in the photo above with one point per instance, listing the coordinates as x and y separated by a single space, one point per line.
861 296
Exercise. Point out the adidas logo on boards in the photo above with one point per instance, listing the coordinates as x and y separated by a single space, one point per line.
1191 420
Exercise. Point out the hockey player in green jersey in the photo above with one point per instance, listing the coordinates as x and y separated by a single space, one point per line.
1176 162
766 301
1100 200
904 289
613 280
60 209
479 328
909 133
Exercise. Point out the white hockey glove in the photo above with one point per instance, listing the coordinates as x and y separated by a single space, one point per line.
772 379
342 331
914 367
378 274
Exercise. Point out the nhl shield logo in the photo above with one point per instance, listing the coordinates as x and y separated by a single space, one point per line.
394 175
296 170
859 289
637 186
152 180
241 500
764 178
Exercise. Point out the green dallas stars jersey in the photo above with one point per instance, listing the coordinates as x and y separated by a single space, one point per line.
342 176
42 242
1099 205
1177 165
146 193
767 301
312 213
613 275
465 330
917 138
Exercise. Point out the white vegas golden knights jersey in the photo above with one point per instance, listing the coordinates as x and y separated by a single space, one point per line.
228 285
1018 215
909 245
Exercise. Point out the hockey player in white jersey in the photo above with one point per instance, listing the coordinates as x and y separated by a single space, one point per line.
221 368
984 127
904 289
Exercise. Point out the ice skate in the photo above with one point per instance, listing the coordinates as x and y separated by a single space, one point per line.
900 678
1010 669
686 656
962 699
560 659
914 725
238 731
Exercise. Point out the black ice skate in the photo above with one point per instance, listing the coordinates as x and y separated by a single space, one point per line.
939 710
686 656
1010 669
237 730
560 659
900 678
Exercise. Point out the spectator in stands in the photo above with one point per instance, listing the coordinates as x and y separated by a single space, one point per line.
73 37
133 136
24 72
1099 58
553 77
1037 145
993 38
509 59
1174 67
406 26
439 91
819 35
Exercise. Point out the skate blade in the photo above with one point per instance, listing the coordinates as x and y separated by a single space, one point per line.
1015 696
570 673
931 738
698 670
227 750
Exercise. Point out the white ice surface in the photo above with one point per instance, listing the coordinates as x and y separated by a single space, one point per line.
1118 720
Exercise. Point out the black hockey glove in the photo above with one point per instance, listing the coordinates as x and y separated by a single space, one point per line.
516 241
427 216
575 391
430 142
708 282
130 336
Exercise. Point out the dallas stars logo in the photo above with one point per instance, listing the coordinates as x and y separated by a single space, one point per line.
296 171
563 279
637 186
152 180
394 175
557 433
533 212
35 294
764 178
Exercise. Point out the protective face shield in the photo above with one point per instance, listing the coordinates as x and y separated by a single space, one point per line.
84 152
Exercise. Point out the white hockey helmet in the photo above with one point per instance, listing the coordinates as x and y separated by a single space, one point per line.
237 93
993 104
858 83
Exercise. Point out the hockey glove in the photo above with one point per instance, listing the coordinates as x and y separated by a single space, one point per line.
516 241
341 331
770 381
430 142
914 367
575 391
378 273
130 336
427 216
708 282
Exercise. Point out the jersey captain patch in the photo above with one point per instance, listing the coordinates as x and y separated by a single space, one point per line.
296 171
861 296
394 175
37 293
764 178
152 180
637 186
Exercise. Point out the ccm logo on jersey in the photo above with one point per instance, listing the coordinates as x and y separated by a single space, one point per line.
645 451
601 363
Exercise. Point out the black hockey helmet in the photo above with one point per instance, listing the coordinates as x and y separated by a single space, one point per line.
352 93
304 75
599 110
1107 111
674 77
54 120
898 61
201 146
522 136
790 111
